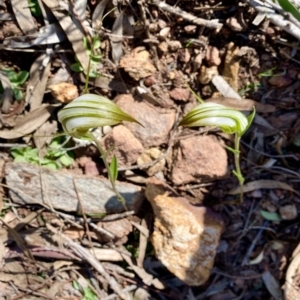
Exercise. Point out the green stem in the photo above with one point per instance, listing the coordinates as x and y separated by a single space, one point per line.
85 91
110 176
238 174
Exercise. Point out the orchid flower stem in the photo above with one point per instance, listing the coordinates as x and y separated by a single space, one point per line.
110 176
237 139
86 86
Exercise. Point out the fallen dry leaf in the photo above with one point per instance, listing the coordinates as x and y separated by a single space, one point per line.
244 104
7 97
37 82
262 184
23 15
74 34
272 285
29 122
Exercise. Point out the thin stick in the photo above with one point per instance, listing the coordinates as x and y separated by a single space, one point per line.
87 256
187 16
83 214
276 19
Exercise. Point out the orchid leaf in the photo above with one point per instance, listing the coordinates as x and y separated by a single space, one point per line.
114 168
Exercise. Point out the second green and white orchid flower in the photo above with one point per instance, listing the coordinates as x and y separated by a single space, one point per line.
212 114
228 120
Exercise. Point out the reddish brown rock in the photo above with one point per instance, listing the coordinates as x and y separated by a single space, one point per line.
126 146
190 29
174 45
180 94
207 74
163 47
149 156
199 157
235 24
184 55
213 56
157 122
119 229
137 63
280 81
185 237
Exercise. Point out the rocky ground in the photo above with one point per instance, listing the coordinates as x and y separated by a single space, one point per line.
186 234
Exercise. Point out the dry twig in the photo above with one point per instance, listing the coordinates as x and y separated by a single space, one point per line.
187 16
87 256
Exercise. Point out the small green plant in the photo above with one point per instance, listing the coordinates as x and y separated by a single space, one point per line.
90 111
94 58
267 73
189 43
87 293
228 120
16 80
250 87
35 8
55 157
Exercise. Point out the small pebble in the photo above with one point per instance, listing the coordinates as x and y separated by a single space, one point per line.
288 212
174 45
161 24
234 24
163 47
190 29
165 32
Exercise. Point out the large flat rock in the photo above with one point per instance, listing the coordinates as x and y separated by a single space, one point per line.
157 122
96 194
